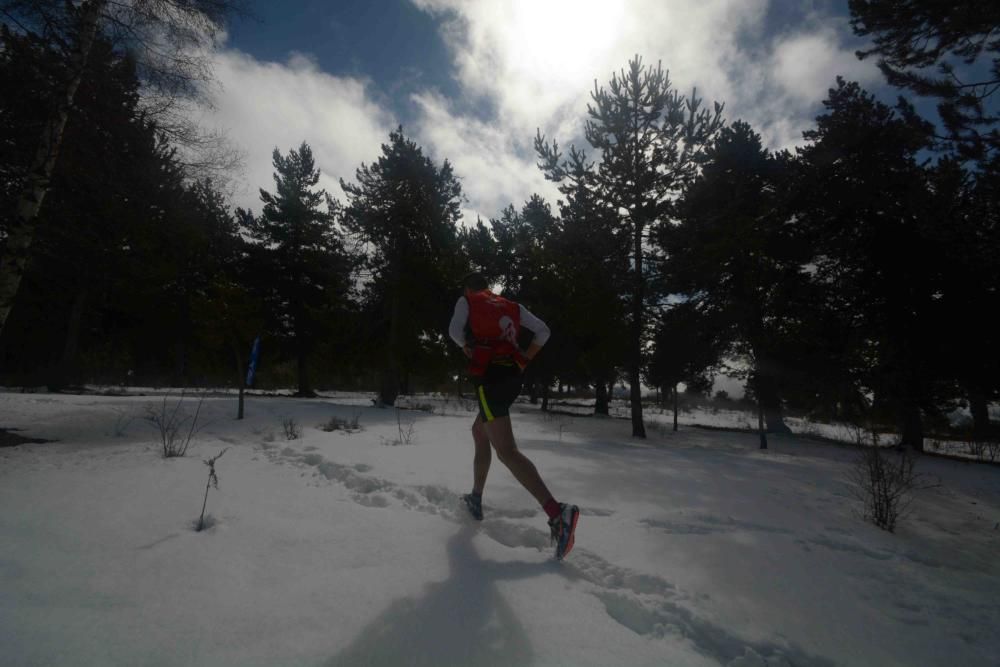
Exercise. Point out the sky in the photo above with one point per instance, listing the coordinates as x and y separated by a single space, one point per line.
473 80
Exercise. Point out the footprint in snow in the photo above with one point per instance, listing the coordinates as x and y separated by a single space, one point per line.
646 604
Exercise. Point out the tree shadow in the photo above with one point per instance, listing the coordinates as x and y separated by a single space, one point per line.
461 621
10 439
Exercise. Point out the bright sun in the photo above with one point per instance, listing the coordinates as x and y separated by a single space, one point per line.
561 41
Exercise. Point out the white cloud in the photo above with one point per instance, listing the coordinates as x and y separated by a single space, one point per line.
806 65
496 166
262 106
535 62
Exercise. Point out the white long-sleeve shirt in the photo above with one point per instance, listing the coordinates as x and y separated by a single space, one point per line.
461 316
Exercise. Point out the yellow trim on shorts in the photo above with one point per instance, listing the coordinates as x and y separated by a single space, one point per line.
486 407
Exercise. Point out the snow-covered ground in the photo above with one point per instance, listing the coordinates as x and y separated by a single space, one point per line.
694 548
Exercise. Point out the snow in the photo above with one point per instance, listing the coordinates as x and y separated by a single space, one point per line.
694 548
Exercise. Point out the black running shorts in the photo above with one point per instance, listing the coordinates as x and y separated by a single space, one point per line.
497 390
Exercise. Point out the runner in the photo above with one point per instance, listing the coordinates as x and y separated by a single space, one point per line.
495 366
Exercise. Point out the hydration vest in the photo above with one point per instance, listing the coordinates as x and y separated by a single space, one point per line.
495 323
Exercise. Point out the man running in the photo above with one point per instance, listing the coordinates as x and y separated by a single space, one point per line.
495 366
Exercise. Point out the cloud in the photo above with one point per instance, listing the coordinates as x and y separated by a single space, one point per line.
537 62
805 65
523 65
496 166
533 64
265 105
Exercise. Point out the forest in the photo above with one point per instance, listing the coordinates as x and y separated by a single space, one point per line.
854 278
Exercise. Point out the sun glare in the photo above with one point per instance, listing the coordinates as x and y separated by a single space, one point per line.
560 41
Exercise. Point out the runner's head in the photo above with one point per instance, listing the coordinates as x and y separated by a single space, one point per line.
475 282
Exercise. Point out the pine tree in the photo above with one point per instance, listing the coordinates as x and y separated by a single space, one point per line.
956 37
307 269
591 257
406 209
867 204
737 252
117 250
687 347
480 248
966 211
651 140
164 36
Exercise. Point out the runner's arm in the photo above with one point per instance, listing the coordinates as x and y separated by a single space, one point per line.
542 332
456 329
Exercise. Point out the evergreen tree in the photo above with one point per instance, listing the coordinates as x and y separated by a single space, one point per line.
114 234
228 313
651 139
513 247
967 211
687 347
535 282
406 209
164 36
306 267
523 263
867 204
480 248
591 256
912 36
736 251
75 240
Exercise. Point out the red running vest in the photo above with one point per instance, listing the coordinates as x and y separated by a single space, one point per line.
495 323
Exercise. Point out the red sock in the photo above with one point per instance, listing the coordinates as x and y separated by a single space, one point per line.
551 508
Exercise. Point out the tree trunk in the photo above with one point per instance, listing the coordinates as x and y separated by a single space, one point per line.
305 389
180 360
240 376
775 420
302 355
389 384
65 373
21 232
676 405
601 402
979 407
758 382
760 425
72 345
635 356
911 427
769 400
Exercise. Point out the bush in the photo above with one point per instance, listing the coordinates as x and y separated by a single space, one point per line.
405 430
340 424
982 450
883 483
170 424
123 420
291 429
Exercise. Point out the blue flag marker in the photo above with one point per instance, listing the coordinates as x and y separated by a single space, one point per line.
254 356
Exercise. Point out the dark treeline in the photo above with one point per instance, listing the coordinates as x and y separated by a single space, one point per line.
854 279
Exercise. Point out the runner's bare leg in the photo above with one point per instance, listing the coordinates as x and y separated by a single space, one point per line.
501 434
481 463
